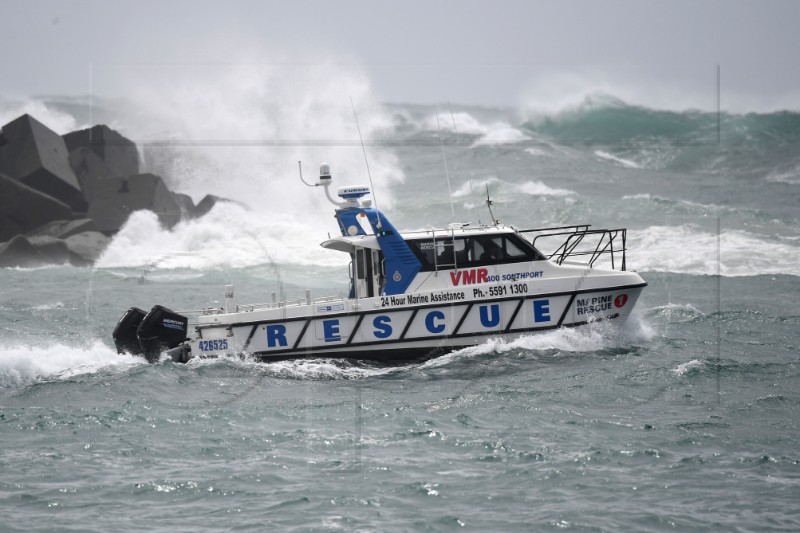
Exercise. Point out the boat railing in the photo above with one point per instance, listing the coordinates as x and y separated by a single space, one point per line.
579 242
246 308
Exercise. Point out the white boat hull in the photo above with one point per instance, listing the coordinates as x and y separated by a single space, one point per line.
392 329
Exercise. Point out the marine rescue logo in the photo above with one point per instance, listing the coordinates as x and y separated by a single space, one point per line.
620 300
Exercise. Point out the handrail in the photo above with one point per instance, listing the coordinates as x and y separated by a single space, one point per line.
569 247
576 226
246 308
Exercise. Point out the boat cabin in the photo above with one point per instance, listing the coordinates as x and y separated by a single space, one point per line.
434 251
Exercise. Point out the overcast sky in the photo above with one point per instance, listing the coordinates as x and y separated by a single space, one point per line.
501 52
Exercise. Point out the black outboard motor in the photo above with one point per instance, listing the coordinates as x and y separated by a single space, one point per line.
125 333
160 330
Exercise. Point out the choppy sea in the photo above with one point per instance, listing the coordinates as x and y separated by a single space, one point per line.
685 418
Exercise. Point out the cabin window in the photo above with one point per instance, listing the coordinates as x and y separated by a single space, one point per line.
462 252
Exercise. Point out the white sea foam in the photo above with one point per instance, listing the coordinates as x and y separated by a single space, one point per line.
676 312
536 152
592 337
299 369
683 368
23 365
537 188
324 369
502 134
459 122
238 132
533 188
688 204
792 177
477 186
48 307
54 119
688 249
627 163
228 236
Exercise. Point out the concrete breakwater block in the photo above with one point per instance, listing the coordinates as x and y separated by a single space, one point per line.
24 208
186 204
62 229
81 249
19 252
37 156
88 169
114 199
119 154
55 251
86 247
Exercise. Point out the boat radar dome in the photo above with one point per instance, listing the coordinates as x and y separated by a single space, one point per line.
352 194
325 174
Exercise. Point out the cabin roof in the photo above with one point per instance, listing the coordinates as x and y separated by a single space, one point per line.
348 244
462 231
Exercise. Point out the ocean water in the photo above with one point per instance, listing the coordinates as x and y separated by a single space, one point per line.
685 418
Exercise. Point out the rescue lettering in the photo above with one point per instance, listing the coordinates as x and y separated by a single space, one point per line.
597 304
430 323
541 310
330 329
382 328
276 335
487 320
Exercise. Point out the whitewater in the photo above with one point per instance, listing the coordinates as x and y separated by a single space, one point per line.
683 418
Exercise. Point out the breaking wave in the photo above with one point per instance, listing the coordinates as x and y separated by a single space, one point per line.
59 121
610 157
239 132
502 135
24 365
685 368
533 188
688 249
229 236
762 145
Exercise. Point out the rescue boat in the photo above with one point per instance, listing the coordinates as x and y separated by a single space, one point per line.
413 295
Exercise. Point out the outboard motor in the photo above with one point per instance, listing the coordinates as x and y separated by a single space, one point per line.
125 333
160 330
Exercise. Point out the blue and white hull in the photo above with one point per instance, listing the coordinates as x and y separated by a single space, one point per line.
391 329
412 295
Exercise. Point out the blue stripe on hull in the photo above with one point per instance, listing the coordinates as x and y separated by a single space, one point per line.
422 332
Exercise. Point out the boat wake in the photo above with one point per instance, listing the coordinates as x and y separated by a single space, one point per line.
590 338
21 366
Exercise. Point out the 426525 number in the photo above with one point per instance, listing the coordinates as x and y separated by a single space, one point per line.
213 345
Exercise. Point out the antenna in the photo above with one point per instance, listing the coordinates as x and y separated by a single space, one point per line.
446 173
455 128
363 149
300 168
489 205
453 119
